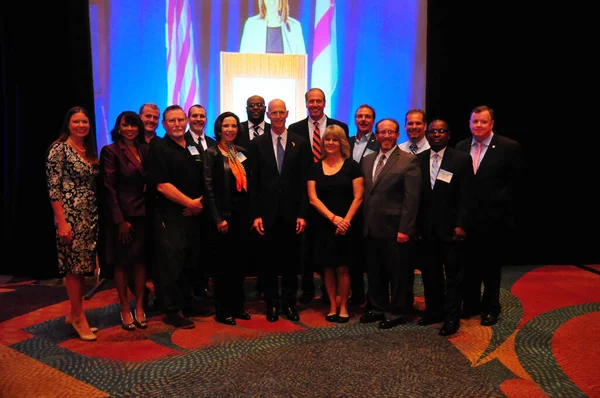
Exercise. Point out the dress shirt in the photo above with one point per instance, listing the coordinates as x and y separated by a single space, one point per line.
422 145
261 129
274 136
322 126
360 146
387 157
484 147
199 139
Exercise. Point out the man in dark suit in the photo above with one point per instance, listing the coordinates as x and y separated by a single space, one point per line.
498 163
196 137
391 203
447 177
316 121
362 144
255 126
279 204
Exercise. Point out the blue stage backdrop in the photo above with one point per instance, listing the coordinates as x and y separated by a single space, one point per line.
168 51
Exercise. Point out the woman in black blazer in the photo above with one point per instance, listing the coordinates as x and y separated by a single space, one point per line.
226 200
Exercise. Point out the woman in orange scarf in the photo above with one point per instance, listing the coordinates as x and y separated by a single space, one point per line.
226 198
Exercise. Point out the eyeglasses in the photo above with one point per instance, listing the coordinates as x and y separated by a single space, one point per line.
387 132
441 131
256 104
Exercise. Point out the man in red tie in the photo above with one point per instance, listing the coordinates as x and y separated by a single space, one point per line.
498 163
311 129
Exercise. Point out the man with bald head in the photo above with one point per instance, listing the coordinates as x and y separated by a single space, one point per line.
256 125
279 205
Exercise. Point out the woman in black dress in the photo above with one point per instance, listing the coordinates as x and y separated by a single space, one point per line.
335 189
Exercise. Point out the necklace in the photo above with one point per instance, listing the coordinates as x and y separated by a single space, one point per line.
74 145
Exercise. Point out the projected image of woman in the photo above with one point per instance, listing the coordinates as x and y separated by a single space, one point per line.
272 30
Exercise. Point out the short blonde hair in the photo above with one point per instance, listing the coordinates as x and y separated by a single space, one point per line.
338 134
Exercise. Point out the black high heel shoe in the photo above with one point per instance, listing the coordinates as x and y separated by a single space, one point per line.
143 324
130 327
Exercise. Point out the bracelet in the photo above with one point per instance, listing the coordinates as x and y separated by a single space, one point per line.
333 218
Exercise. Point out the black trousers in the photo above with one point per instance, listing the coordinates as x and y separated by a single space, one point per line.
486 254
231 256
442 269
177 260
280 249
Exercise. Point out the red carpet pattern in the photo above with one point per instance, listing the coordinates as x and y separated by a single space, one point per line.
546 344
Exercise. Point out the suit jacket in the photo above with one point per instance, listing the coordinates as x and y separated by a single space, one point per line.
446 206
301 128
496 184
210 142
391 203
243 137
273 195
123 182
372 144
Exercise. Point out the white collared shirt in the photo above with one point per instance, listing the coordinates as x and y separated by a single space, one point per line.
322 126
199 139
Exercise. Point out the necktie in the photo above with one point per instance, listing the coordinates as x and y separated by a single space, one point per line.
378 168
414 148
435 168
476 158
280 153
316 144
255 133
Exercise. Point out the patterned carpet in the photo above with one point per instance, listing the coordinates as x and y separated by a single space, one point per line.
546 344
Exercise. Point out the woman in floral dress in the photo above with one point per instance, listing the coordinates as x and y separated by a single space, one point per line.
71 172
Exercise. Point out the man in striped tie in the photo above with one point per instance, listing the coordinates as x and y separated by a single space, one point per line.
311 129
256 125
415 125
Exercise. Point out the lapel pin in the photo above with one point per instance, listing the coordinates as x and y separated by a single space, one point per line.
293 143
493 146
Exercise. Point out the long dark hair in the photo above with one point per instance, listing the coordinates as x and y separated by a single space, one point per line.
89 140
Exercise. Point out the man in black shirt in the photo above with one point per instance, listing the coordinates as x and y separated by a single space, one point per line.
175 169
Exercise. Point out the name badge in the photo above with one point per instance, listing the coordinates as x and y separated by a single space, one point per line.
444 175
241 157
193 150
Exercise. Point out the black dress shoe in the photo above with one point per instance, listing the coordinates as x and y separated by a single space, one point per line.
390 323
370 317
332 318
429 320
290 312
306 297
449 328
272 313
227 320
242 315
489 319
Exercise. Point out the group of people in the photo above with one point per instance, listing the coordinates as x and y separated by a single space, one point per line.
295 200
